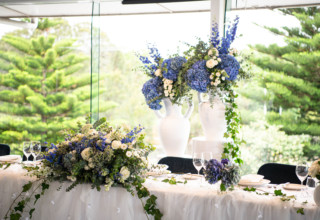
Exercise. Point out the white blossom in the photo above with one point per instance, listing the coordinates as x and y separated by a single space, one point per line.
211 63
158 72
129 154
116 144
125 173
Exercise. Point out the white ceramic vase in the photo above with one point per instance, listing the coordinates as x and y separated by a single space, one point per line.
174 128
316 195
212 118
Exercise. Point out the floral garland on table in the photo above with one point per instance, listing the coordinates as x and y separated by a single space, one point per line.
213 68
166 81
96 154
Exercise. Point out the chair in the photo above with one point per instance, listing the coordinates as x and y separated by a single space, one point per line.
279 173
4 149
178 164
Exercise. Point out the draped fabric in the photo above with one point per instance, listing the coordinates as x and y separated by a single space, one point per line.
179 202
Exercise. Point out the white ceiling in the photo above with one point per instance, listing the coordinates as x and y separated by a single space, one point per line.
62 8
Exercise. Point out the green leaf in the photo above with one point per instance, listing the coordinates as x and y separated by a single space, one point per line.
222 187
300 211
278 192
26 187
252 189
31 212
20 206
15 216
8 165
37 196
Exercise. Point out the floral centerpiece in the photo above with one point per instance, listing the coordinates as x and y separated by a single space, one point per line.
97 154
214 69
314 170
226 171
166 79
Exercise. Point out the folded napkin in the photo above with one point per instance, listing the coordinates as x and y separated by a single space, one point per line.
251 178
11 159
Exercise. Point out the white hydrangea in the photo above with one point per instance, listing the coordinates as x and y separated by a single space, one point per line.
125 173
116 144
109 184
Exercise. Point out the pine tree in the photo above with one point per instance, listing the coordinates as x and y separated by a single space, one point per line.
291 75
44 84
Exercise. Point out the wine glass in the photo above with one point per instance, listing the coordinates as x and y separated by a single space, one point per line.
197 161
302 171
27 147
36 149
206 157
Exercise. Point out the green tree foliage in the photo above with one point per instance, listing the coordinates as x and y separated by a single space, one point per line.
44 83
291 75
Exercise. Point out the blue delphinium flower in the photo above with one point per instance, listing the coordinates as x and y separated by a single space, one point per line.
198 76
152 91
148 64
213 171
229 38
172 67
230 65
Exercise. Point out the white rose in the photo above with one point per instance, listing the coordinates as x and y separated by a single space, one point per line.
219 60
212 83
210 63
91 165
72 178
123 146
125 173
218 82
116 144
85 154
107 187
211 76
166 93
223 78
218 74
157 72
215 63
129 154
210 52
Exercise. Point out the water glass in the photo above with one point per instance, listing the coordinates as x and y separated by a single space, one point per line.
36 149
27 149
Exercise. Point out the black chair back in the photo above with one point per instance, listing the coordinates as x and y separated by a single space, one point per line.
179 165
4 149
279 173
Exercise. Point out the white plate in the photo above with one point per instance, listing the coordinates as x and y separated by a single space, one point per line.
260 183
291 186
191 176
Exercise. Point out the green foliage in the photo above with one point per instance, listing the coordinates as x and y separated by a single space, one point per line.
252 189
291 76
45 84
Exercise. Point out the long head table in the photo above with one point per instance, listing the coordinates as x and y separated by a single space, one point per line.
181 201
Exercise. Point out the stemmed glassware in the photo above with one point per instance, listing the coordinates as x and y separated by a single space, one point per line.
27 149
197 161
206 157
36 149
302 171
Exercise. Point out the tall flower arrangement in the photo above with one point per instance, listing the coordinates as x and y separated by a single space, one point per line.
97 154
166 79
213 68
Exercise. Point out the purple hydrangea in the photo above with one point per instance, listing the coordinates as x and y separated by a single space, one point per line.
213 171
224 162
152 91
198 76
172 67
230 65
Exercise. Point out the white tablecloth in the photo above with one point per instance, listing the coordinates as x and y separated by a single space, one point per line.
175 201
